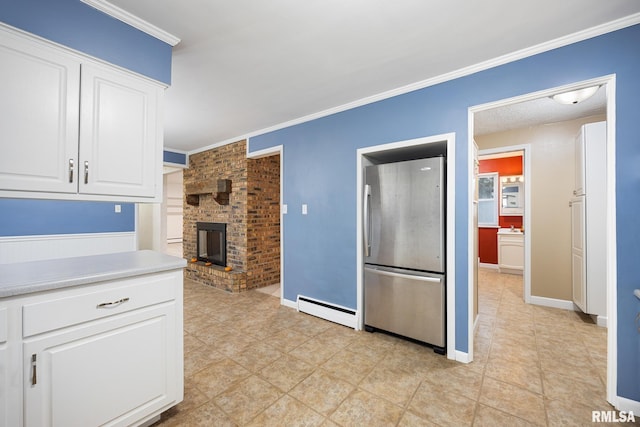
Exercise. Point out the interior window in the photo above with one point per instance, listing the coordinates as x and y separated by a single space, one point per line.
488 199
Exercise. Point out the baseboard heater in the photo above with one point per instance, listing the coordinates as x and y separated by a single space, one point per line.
324 310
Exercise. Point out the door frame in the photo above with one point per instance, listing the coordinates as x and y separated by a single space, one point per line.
609 82
273 151
361 161
526 166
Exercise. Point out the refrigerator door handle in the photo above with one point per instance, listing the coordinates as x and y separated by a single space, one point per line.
367 220
404 276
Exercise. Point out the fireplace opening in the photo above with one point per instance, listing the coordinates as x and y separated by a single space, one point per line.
212 242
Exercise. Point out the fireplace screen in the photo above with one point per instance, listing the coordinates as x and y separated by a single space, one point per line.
212 242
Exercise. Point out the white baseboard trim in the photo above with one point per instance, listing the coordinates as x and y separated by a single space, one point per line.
462 357
566 305
488 266
289 303
328 311
602 321
628 405
552 302
38 248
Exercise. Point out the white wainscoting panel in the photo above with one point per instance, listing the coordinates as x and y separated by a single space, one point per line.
37 248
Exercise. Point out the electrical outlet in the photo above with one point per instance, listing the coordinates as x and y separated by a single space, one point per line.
304 209
117 209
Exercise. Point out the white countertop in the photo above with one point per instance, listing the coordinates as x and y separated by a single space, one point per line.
515 231
27 277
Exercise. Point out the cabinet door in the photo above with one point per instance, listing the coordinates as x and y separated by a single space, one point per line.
38 117
120 140
511 253
578 262
5 409
114 371
579 184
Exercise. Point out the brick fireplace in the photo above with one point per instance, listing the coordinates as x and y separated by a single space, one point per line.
250 210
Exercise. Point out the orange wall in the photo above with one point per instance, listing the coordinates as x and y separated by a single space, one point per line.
488 237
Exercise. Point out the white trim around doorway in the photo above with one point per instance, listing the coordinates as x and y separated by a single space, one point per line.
272 151
526 155
612 314
452 353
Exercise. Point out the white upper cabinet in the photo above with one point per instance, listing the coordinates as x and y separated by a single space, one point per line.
74 128
39 94
118 133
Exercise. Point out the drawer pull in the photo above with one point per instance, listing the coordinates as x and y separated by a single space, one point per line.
112 303
34 378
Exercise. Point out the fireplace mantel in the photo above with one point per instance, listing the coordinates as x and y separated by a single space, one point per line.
219 188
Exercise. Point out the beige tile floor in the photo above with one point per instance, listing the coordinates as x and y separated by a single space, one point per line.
251 362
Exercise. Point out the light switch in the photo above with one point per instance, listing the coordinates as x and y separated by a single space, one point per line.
284 209
117 209
304 209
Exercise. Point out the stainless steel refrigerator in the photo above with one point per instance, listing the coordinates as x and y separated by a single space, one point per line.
404 247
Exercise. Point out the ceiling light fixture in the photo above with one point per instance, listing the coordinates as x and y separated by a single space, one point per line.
575 96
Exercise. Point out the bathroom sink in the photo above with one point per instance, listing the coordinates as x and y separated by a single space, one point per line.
509 231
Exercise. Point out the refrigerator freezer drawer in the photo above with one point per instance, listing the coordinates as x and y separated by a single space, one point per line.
406 303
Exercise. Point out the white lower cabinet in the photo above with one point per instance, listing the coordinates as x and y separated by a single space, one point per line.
111 372
108 354
4 371
511 252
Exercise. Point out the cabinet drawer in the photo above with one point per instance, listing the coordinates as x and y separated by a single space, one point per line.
517 239
97 302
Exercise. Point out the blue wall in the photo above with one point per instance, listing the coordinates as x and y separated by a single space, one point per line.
81 27
173 157
320 170
20 217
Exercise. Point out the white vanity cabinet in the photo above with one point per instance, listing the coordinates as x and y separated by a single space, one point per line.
103 353
510 251
76 128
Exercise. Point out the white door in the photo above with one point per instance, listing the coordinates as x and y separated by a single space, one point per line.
578 261
38 118
118 134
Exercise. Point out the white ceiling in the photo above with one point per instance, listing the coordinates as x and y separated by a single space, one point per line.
243 66
543 110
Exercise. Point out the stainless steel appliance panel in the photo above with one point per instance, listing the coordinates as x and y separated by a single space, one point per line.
404 217
405 302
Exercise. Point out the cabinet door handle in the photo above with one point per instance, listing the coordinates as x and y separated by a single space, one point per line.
112 303
34 378
86 172
70 170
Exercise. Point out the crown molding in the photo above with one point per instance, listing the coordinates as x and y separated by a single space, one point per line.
130 19
579 36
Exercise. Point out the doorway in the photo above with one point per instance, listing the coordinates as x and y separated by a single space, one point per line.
272 256
172 207
405 149
522 104
503 244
